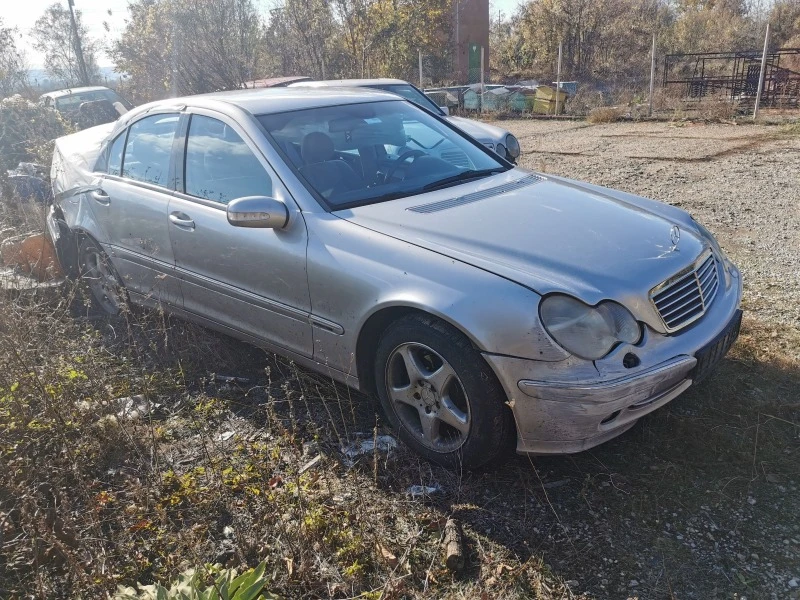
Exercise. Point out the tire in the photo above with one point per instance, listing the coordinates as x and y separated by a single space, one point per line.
440 395
101 278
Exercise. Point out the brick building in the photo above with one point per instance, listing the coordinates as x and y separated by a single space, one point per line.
471 32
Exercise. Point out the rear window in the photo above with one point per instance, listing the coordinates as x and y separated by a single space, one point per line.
74 101
149 148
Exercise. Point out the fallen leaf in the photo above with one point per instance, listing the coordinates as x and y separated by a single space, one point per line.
289 565
390 558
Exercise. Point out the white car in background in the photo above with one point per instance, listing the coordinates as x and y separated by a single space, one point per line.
495 138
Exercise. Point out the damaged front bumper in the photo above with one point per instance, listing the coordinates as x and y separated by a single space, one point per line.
574 405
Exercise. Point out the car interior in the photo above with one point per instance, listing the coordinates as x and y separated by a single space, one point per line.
353 153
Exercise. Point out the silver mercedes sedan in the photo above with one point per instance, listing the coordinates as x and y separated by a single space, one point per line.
484 305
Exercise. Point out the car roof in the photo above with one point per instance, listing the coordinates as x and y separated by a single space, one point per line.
349 83
263 101
77 90
274 82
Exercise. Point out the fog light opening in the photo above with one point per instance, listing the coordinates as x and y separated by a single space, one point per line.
630 361
610 418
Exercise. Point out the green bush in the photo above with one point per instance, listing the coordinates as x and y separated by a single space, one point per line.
191 585
27 131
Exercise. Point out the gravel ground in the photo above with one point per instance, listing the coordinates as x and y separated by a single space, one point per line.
701 499
742 182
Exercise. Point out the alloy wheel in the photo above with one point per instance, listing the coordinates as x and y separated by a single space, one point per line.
102 282
428 397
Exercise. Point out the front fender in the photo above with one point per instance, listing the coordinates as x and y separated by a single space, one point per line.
355 273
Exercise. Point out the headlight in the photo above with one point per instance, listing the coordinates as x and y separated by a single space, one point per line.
588 332
512 144
501 150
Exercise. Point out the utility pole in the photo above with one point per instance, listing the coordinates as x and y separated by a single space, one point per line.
762 74
652 77
483 88
420 69
558 78
77 42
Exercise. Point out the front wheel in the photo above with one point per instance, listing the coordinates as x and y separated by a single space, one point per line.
440 394
105 287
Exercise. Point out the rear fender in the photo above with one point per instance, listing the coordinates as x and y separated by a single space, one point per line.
64 241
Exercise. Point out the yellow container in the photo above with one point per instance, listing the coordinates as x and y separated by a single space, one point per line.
545 92
543 107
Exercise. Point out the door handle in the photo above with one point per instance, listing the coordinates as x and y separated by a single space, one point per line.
181 220
100 196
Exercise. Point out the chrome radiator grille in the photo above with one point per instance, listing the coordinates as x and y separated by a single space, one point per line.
686 297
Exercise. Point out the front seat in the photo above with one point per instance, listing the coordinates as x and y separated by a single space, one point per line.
326 174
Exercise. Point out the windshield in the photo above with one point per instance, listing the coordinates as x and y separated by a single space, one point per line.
356 154
409 92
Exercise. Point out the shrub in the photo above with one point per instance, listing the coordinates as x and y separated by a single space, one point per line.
27 131
606 114
191 585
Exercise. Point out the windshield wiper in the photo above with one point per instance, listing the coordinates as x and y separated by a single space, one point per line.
463 176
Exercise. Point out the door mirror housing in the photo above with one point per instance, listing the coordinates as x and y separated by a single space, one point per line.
445 109
259 212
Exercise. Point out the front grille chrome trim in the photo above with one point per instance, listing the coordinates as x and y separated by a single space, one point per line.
685 297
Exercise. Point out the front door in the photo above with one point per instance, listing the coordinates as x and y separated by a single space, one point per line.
251 280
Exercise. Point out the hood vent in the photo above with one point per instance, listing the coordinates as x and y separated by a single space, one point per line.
482 195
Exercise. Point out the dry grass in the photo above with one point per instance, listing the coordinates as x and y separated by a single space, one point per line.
209 470
213 471
606 114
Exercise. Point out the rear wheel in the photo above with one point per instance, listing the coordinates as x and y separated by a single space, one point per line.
440 394
100 276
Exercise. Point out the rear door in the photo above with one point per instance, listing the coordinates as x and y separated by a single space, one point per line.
250 280
132 205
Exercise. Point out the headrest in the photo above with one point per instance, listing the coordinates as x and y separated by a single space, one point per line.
317 147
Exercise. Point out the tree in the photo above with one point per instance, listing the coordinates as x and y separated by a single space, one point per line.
12 64
189 46
361 38
54 37
602 39
785 20
300 33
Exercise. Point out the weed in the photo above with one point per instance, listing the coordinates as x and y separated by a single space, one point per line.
606 114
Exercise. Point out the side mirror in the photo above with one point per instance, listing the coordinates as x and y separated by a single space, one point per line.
259 212
445 109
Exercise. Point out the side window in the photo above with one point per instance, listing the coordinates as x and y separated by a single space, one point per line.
219 164
115 155
149 148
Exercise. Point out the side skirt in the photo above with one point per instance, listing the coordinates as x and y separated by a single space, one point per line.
304 361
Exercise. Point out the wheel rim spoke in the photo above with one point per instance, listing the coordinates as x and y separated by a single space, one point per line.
452 415
441 378
404 395
430 427
415 371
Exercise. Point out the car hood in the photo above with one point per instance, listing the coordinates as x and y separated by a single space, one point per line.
483 132
548 234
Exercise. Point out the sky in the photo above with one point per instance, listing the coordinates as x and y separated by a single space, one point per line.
22 14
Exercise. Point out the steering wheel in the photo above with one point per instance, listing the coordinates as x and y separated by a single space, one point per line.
412 154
